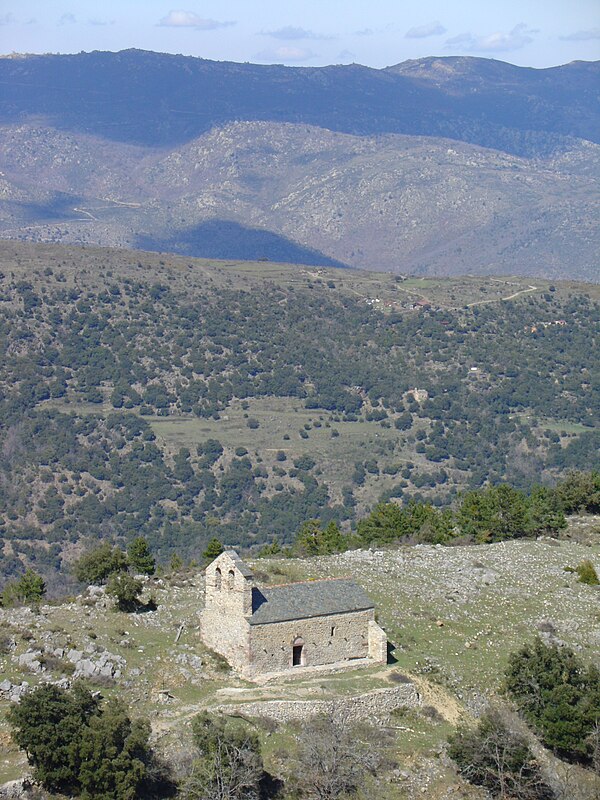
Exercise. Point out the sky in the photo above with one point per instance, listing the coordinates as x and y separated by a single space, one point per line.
531 33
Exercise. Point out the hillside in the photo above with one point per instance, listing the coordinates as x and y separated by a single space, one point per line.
156 99
292 193
441 166
439 606
182 399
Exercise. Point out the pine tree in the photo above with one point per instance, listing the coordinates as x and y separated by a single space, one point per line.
213 549
140 557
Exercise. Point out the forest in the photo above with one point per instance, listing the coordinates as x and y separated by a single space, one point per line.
438 400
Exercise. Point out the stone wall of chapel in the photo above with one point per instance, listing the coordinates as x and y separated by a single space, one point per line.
227 634
336 637
223 624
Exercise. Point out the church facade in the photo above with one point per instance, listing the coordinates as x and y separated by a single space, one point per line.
277 628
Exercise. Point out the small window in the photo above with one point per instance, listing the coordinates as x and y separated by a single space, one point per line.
218 579
333 630
230 579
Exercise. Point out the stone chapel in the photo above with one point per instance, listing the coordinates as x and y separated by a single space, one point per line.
264 629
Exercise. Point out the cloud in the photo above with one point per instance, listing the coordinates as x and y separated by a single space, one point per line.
285 53
292 33
518 37
67 19
423 31
187 19
582 36
101 21
7 19
365 32
346 55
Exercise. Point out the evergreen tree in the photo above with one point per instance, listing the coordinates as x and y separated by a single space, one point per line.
47 724
557 694
312 540
544 513
213 549
29 589
113 753
140 557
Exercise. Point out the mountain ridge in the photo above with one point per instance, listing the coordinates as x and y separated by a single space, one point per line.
436 166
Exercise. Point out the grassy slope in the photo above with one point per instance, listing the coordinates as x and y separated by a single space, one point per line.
490 599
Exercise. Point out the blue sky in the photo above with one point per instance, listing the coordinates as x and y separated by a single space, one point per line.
536 33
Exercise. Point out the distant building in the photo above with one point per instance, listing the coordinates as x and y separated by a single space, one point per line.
276 628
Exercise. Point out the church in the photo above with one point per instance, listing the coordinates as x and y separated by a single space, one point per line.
265 629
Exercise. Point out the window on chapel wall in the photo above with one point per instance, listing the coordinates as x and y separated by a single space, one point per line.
230 579
298 655
218 579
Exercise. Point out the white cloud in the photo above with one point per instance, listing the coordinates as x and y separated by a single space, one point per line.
187 19
67 19
423 31
365 32
285 53
518 37
582 36
7 19
102 22
346 55
292 33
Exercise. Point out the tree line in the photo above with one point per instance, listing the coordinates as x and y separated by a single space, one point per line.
491 514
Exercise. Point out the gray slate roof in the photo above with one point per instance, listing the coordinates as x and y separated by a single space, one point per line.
305 600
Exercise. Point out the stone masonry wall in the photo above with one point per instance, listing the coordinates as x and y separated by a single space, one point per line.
374 707
327 639
223 625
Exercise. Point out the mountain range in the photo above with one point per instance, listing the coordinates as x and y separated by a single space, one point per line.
436 166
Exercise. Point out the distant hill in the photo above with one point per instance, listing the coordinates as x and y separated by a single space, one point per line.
436 166
161 100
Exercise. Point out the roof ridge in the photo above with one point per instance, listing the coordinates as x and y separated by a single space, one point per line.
308 582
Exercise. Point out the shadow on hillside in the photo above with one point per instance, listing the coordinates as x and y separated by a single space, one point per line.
224 239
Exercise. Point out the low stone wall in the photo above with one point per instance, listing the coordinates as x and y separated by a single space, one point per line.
375 706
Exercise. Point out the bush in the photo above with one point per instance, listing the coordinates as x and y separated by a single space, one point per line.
499 759
229 763
587 573
125 589
96 566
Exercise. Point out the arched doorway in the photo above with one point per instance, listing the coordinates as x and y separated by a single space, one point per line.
298 656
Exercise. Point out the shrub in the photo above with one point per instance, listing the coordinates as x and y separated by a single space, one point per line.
499 759
125 589
587 573
96 566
